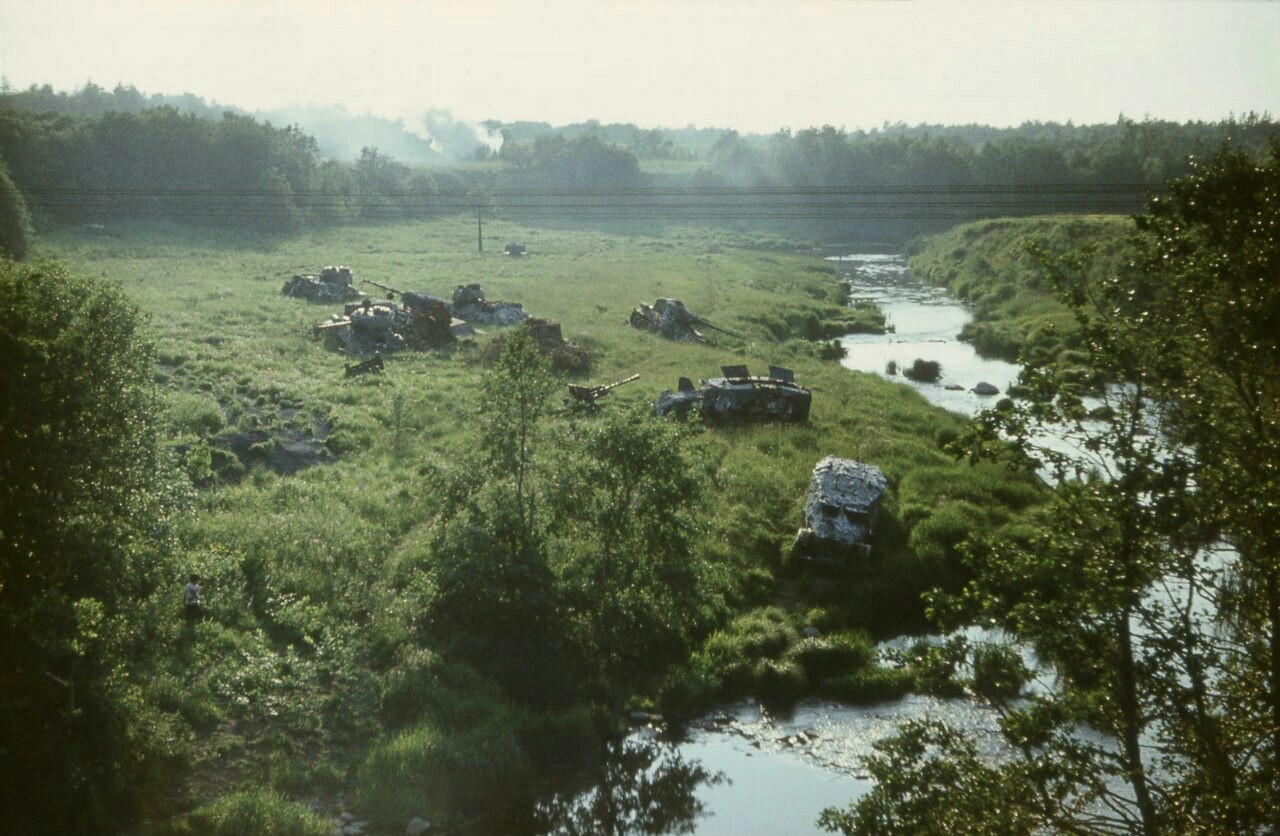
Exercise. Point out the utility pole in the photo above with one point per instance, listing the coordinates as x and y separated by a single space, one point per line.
479 232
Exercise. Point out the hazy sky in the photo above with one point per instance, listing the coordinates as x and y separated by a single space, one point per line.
754 65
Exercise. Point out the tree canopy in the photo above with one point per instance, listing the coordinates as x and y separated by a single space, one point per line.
1149 588
82 509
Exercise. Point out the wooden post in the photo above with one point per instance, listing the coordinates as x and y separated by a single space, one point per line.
479 232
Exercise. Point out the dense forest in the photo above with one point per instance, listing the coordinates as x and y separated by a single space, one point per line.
448 616
75 158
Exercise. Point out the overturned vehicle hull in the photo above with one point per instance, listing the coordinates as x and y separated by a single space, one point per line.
841 512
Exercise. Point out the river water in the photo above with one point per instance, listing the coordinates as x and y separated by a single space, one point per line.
925 323
761 772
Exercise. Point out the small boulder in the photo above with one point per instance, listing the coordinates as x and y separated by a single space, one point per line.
985 389
417 826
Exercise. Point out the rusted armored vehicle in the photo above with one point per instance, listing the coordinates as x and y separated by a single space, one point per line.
739 398
840 515
419 321
333 284
470 304
671 319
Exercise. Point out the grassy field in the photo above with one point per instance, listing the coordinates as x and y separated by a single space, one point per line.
297 679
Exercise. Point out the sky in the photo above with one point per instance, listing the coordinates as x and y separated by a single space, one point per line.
757 66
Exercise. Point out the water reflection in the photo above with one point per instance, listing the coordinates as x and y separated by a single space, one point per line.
642 786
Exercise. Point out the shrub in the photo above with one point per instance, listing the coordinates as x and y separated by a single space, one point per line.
923 371
825 657
192 413
259 811
934 667
424 686
998 672
778 680
871 684
832 350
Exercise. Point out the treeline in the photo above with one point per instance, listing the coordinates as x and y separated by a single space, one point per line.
162 164
75 162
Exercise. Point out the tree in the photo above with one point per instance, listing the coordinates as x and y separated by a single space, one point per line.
626 519
1160 642
82 483
493 597
15 220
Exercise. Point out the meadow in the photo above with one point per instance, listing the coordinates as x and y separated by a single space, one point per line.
319 672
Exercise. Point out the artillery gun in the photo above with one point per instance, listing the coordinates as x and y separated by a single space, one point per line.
588 395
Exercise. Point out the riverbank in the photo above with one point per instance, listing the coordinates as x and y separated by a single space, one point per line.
996 268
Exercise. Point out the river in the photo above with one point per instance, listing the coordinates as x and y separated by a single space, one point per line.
925 323
748 770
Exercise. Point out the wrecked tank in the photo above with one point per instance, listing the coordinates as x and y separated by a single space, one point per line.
841 511
565 356
333 284
470 304
421 322
671 319
739 398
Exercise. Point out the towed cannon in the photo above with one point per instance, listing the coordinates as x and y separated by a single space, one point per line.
590 394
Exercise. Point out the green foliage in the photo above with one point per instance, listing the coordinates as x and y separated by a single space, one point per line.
398 587
923 371
258 811
442 774
85 496
1159 641
15 221
192 413
998 672
871 684
995 266
824 657
931 779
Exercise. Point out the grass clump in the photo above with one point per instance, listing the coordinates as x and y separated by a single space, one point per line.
443 774
259 811
999 672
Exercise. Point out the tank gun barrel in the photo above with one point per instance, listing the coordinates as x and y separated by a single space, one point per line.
700 321
390 290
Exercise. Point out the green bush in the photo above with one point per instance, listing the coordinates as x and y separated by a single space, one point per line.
934 667
778 680
923 371
194 413
871 684
258 811
827 656
998 672
424 686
